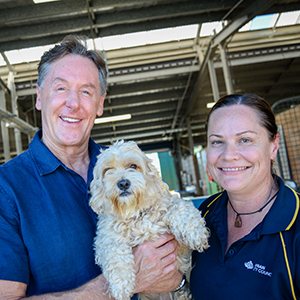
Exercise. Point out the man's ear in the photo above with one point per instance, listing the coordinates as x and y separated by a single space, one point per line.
38 104
100 109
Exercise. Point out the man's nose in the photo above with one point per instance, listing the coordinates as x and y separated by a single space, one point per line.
73 100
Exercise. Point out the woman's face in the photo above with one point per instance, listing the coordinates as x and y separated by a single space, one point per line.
239 151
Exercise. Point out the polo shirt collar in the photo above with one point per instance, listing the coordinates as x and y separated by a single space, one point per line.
281 216
283 212
46 162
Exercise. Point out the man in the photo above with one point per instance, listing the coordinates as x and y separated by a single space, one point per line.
46 225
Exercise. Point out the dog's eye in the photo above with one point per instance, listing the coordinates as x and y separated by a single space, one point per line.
105 170
133 166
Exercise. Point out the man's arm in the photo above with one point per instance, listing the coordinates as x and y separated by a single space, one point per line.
94 289
156 272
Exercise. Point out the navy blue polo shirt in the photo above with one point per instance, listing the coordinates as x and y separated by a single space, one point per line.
46 225
265 264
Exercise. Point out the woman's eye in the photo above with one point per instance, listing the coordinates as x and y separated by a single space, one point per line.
216 142
245 140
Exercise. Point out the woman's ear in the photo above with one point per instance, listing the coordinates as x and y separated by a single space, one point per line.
275 146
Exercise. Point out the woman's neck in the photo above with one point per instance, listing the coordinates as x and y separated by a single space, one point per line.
253 200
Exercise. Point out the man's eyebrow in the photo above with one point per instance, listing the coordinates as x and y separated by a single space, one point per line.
59 79
88 85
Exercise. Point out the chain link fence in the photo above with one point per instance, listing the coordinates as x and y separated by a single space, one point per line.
287 112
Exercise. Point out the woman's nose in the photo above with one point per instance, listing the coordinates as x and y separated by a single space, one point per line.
230 152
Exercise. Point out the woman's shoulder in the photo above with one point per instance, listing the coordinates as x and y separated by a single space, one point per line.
211 199
212 203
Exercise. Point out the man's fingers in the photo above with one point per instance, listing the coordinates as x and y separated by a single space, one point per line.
162 240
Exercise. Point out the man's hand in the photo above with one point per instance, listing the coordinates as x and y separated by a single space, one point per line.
156 265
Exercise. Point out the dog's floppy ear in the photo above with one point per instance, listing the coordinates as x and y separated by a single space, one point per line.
95 188
150 167
159 185
95 200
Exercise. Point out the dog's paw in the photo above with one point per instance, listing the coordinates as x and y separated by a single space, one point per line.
200 239
188 225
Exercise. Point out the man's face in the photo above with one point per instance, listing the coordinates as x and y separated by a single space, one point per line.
69 100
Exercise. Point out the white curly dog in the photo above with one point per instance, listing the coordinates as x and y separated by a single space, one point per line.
134 205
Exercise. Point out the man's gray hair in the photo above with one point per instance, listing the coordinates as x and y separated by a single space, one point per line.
72 44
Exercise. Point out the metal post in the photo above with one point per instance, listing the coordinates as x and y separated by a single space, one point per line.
195 163
213 80
177 161
14 104
4 130
226 70
190 135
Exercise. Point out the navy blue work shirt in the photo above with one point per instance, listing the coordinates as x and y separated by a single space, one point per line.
46 225
265 264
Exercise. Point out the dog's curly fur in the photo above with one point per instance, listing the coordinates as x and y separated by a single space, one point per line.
134 205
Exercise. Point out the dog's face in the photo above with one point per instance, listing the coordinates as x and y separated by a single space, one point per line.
125 181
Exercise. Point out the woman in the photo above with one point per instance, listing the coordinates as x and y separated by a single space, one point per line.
255 229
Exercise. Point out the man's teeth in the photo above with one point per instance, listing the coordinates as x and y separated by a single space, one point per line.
70 120
234 169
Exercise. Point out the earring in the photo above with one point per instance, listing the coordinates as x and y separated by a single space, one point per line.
272 161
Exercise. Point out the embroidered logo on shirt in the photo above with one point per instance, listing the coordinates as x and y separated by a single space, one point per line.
257 268
249 265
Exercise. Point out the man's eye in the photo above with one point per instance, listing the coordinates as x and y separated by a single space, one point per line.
86 92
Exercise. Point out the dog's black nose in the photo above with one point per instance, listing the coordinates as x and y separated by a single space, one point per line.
124 184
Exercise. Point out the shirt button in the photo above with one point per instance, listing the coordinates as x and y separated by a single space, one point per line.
231 252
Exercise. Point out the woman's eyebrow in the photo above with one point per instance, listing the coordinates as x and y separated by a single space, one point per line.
246 131
216 135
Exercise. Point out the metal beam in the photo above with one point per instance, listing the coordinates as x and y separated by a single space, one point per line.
19 123
58 19
226 70
197 85
213 79
162 133
152 74
256 8
242 18
144 99
71 8
9 66
4 87
4 130
260 59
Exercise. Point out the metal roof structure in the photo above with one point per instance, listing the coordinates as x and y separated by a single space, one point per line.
164 86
